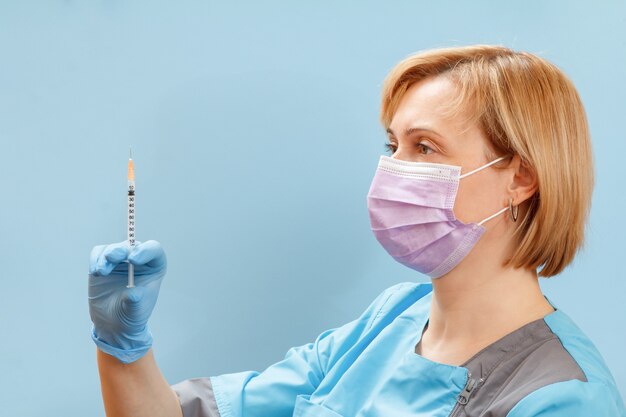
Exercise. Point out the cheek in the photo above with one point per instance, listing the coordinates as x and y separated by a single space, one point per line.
478 198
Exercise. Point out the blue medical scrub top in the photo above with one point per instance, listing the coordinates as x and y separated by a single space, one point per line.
369 367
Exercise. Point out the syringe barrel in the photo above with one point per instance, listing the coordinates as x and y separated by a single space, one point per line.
131 216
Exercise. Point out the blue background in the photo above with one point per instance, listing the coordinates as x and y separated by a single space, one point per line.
255 133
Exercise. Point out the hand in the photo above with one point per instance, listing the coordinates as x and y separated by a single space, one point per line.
120 314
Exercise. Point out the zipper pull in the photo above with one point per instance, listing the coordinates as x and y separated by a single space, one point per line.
467 391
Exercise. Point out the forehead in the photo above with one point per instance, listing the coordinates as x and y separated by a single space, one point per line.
424 105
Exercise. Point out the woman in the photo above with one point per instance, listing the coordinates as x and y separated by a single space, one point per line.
489 179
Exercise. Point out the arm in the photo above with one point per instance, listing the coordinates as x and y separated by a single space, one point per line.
136 389
282 389
132 384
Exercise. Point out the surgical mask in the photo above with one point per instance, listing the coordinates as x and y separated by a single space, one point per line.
410 208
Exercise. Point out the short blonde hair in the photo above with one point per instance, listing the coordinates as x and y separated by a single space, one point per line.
529 107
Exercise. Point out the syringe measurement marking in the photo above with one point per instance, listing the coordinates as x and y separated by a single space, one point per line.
131 217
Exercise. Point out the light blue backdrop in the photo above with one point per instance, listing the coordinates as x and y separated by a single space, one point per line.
255 134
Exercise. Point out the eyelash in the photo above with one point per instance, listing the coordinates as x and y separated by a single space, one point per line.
393 148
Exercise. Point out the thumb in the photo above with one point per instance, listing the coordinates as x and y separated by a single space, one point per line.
131 301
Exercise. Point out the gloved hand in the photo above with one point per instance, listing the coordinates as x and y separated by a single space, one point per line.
120 314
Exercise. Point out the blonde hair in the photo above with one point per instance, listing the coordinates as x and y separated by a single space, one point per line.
529 107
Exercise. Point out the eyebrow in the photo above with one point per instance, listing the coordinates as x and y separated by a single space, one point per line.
411 130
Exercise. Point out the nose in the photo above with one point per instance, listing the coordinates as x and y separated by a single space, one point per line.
402 155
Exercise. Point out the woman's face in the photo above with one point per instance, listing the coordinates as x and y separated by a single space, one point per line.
419 133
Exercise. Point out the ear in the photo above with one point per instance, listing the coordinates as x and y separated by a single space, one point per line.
524 183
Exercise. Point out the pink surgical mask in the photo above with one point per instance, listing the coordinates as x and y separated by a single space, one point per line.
410 208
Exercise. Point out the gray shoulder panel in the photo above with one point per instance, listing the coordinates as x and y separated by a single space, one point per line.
516 365
196 398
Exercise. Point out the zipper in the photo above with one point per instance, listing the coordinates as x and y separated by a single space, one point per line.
464 397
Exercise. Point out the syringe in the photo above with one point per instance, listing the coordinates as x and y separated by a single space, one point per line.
131 217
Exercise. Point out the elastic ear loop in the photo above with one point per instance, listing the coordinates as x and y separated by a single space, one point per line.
493 215
484 166
479 169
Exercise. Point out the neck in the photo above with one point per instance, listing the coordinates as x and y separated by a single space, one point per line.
479 301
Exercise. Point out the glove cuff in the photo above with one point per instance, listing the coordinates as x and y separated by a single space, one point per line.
123 355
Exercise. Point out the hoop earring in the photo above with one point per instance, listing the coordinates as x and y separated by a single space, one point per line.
513 211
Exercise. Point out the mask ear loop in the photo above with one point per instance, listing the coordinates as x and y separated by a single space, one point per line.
493 215
484 166
479 169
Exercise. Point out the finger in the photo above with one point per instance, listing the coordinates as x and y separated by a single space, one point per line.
149 253
131 301
96 251
104 266
116 252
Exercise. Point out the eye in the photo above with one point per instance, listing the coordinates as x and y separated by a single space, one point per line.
421 147
424 149
391 148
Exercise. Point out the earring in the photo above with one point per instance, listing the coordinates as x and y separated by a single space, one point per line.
513 211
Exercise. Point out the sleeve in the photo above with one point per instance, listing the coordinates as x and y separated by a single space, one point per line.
273 391
572 398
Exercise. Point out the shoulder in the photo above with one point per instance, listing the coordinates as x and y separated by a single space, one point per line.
385 307
402 291
573 398
395 299
334 344
591 392
580 347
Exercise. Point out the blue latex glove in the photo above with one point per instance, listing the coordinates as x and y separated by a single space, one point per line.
120 314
